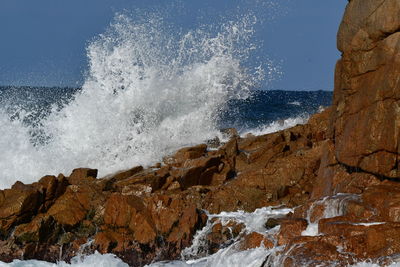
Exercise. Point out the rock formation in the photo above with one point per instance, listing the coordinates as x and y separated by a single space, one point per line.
364 131
362 152
150 214
347 158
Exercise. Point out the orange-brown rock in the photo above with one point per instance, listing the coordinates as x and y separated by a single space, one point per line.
125 174
128 211
40 229
365 118
255 240
17 205
290 228
184 154
314 251
82 175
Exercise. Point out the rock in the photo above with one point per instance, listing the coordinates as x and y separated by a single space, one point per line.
18 204
314 251
125 174
214 143
76 203
82 175
130 212
223 235
186 153
255 240
40 229
51 188
67 210
138 190
197 171
271 223
365 116
291 228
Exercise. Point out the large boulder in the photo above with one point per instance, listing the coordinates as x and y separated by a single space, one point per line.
366 117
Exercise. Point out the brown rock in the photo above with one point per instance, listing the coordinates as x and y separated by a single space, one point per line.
197 171
222 235
82 175
187 153
314 251
129 211
40 229
290 228
18 204
67 210
366 120
127 173
255 240
75 204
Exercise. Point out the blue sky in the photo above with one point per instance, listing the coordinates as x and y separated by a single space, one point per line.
43 42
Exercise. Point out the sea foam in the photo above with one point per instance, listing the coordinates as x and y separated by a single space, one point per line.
148 91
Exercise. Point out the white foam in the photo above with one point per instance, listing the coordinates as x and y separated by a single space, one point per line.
148 92
231 255
253 222
333 206
276 126
295 103
371 264
96 259
225 257
311 230
369 224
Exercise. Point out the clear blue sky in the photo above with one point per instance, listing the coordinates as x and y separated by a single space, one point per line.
42 42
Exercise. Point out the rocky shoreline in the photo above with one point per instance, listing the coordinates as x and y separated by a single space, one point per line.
349 154
142 215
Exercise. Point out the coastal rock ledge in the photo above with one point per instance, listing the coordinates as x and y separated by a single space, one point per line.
340 173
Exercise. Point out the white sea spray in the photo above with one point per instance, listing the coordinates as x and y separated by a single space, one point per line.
149 90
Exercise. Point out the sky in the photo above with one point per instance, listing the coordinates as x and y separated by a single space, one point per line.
43 42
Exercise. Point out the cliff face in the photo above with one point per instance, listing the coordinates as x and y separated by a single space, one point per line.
367 92
365 121
362 151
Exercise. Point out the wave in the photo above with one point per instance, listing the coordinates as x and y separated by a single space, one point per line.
96 259
148 91
277 125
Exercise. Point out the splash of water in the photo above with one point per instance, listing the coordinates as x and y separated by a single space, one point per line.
334 206
96 259
148 92
276 126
